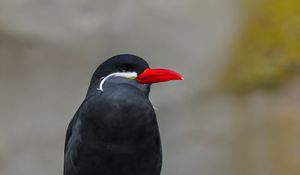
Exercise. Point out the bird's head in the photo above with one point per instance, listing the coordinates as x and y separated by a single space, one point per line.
131 68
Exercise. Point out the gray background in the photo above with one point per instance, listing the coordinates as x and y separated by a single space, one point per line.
49 50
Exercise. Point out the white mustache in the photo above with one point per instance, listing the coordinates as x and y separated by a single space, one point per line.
116 74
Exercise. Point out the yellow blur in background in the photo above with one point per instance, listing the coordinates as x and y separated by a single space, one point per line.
267 52
236 113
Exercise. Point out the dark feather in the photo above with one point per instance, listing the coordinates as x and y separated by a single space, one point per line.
114 133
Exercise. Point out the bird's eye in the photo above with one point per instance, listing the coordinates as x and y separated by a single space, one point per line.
125 68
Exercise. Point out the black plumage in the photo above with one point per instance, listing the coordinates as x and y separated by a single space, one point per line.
114 131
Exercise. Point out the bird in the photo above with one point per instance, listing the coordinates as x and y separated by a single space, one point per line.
115 130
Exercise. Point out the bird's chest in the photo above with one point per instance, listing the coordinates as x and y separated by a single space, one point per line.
118 119
119 132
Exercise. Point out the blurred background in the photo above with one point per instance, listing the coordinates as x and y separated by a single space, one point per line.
236 113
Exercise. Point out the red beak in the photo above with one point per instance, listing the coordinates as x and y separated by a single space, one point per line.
157 75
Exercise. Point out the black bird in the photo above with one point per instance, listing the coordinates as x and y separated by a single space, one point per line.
115 131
